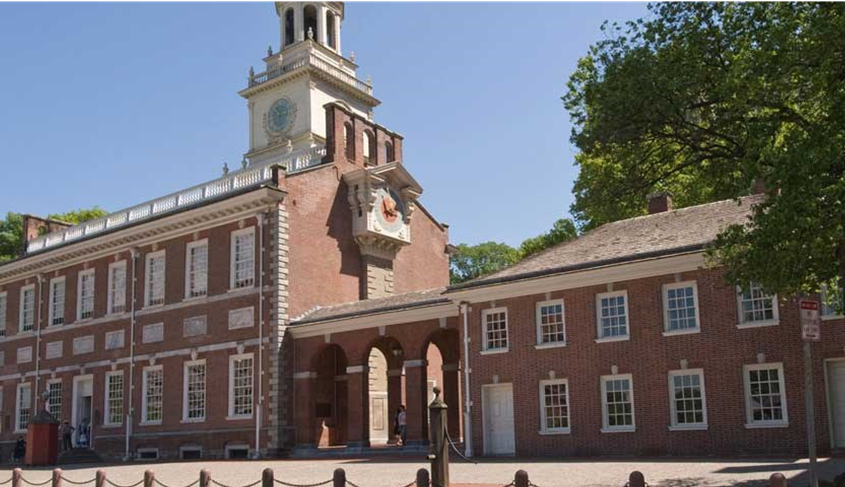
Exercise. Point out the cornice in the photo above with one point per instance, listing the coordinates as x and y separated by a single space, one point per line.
375 320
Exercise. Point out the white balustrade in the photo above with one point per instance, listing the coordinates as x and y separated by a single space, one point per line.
245 178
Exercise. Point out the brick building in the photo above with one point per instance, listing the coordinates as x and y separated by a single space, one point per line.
163 326
295 303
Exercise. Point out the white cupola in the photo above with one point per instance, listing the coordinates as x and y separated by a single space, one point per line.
316 21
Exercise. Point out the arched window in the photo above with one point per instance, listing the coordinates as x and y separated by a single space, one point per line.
310 15
330 39
389 155
369 148
289 33
349 141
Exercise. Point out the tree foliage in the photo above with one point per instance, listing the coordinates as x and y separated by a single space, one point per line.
702 99
471 261
11 228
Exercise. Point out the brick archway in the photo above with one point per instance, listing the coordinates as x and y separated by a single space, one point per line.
321 415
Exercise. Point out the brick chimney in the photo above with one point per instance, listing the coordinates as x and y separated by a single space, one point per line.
659 202
34 227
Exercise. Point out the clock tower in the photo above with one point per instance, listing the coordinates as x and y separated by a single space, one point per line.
286 100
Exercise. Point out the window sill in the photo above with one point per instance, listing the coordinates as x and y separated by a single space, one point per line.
111 426
541 346
758 324
19 432
494 351
149 423
240 289
153 306
619 430
193 420
191 299
238 418
752 426
702 427
554 432
613 339
833 317
692 331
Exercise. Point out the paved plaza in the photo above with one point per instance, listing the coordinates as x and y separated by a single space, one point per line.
397 472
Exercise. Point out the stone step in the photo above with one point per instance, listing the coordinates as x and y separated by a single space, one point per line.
79 455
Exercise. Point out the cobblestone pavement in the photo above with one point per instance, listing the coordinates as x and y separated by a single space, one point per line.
396 472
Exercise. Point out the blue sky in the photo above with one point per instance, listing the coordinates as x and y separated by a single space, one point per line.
113 104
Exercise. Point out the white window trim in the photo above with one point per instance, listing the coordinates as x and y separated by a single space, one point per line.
23 292
148 287
673 419
685 331
554 431
4 318
110 291
484 313
231 411
107 403
47 388
756 324
749 417
51 312
139 451
823 298
188 247
617 429
21 386
185 367
80 276
146 371
539 326
232 252
619 338
187 448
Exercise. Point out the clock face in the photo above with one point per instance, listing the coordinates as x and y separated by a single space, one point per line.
389 210
280 116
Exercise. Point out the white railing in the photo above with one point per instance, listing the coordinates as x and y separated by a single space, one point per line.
234 181
314 62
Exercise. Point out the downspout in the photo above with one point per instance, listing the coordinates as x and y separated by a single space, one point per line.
38 337
260 218
130 413
467 389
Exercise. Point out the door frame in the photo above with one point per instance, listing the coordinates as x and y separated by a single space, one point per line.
75 404
485 388
831 421
388 426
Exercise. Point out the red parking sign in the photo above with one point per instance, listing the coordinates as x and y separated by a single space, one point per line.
810 321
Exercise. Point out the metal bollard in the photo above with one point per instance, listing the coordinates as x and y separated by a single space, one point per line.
422 478
101 479
521 479
267 477
16 477
57 477
636 479
205 478
149 478
339 477
777 480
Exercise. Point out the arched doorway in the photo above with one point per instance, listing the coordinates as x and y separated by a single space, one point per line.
330 397
385 389
442 354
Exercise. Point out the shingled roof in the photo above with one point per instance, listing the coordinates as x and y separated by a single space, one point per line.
397 302
676 231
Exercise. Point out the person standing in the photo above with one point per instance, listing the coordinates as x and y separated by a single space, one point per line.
67 436
402 421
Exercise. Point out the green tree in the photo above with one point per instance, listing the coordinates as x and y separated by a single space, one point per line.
471 261
11 229
562 230
702 99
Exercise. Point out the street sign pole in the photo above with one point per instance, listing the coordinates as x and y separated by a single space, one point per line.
808 406
810 332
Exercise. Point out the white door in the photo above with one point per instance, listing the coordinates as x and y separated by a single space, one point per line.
380 424
836 376
498 420
83 392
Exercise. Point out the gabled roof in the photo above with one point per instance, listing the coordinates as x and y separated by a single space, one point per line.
677 231
396 302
